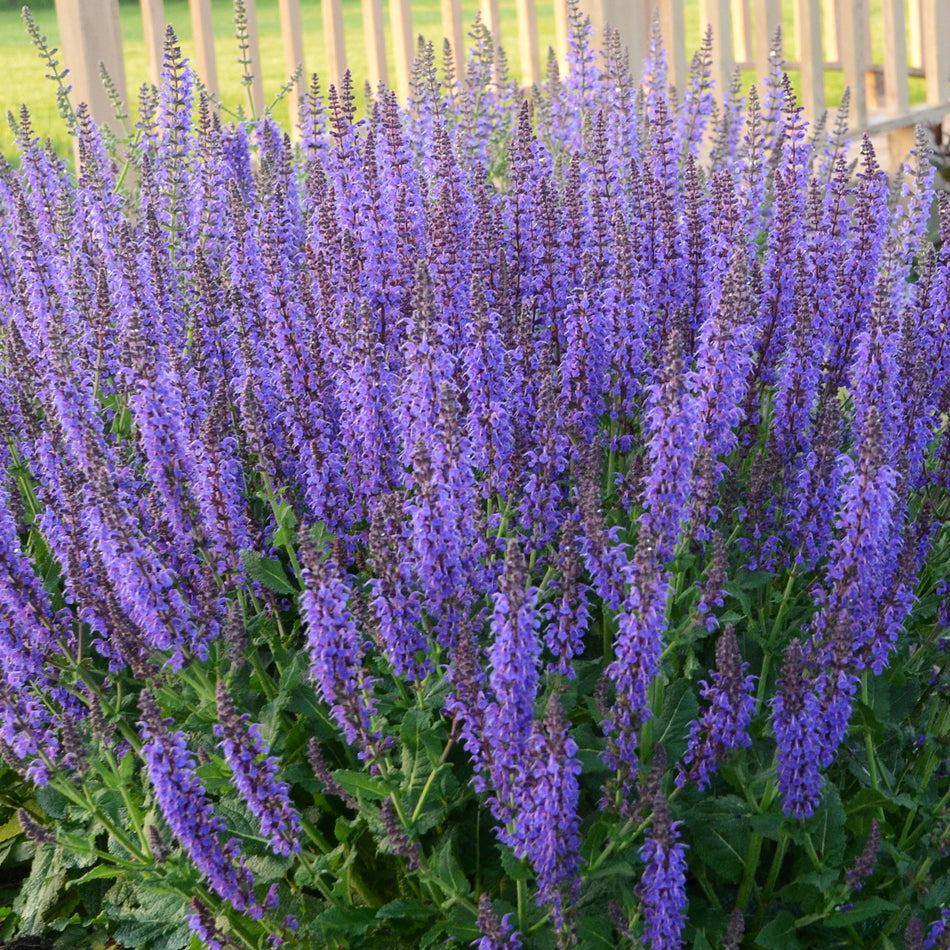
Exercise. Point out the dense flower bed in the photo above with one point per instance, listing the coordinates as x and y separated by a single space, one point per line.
513 520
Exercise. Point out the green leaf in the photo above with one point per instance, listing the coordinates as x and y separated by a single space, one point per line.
680 707
99 872
51 801
718 831
157 921
779 934
267 572
827 828
41 889
596 933
400 909
516 869
356 782
862 910
10 830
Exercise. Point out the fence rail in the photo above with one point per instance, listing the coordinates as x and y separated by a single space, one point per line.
830 34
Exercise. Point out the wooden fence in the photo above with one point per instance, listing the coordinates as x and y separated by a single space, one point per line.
830 34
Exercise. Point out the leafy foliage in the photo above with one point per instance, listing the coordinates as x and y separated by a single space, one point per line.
391 524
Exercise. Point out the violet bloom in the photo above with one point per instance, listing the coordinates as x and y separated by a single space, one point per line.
796 719
724 723
336 649
496 934
189 812
255 776
637 651
513 681
663 885
671 446
547 829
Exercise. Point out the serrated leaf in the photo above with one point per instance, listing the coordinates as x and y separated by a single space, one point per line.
596 933
10 830
356 782
267 572
41 889
51 801
158 922
680 707
827 828
718 830
779 934
401 909
862 910
516 869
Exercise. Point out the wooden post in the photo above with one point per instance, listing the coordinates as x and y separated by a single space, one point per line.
404 47
915 56
291 27
375 42
491 17
153 31
808 29
454 32
935 23
336 48
528 42
560 35
718 15
632 19
254 51
851 44
203 32
896 91
90 34
768 17
742 30
673 28
832 27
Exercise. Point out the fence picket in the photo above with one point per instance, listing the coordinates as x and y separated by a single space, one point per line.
203 31
742 29
915 54
528 41
717 14
453 31
852 46
336 45
153 32
375 43
90 34
935 24
768 17
254 52
896 87
673 30
404 46
808 30
291 28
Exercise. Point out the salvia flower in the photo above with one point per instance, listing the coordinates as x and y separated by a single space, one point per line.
724 723
188 810
255 774
796 719
663 885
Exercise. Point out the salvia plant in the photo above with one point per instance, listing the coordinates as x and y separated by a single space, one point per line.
514 520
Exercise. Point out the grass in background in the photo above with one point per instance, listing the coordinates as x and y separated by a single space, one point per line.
24 80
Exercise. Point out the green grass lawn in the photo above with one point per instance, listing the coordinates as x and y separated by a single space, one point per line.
24 80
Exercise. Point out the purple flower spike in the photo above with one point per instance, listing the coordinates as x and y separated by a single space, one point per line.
255 776
336 649
189 812
724 723
796 720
